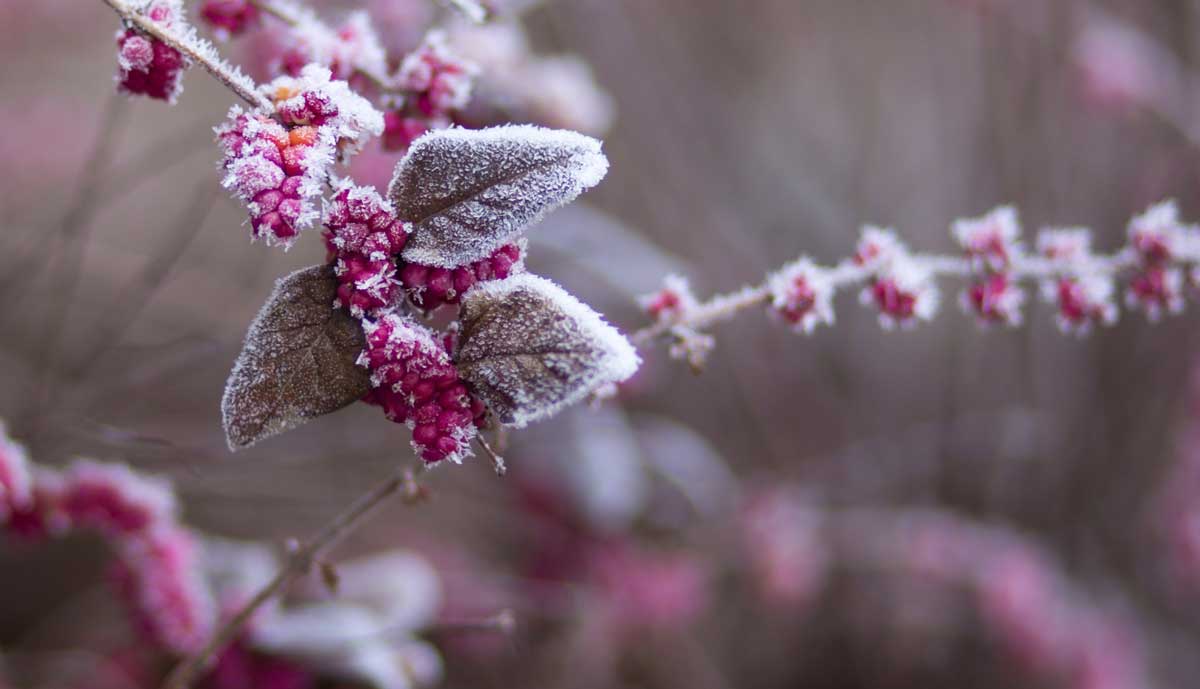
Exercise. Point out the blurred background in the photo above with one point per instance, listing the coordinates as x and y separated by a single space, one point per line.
945 507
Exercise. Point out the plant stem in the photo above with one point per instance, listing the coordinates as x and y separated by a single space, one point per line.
300 561
234 80
725 306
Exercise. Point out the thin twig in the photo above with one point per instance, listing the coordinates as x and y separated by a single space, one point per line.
725 306
300 561
285 14
497 460
234 80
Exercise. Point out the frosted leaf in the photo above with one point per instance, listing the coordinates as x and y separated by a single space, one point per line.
529 349
469 192
298 362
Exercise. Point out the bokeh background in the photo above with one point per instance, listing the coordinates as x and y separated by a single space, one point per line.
946 507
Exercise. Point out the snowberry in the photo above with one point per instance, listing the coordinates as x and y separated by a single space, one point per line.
1082 301
1156 290
364 237
229 17
1157 235
1158 239
430 287
147 66
802 295
903 291
278 161
877 246
990 242
996 299
438 80
672 302
416 383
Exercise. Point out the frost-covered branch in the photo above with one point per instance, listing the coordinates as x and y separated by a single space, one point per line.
299 563
1159 263
165 24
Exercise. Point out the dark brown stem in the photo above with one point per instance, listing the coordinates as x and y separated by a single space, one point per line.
300 561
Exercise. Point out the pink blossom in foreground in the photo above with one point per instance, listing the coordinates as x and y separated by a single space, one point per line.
114 499
16 483
43 516
157 574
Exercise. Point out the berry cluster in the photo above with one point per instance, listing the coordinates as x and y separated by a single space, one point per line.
350 51
990 244
363 237
278 161
434 82
146 65
229 17
416 383
429 287
158 576
1082 294
1160 263
900 285
169 579
156 571
671 303
1160 242
802 295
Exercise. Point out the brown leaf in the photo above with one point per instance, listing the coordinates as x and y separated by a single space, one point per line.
298 361
469 192
528 348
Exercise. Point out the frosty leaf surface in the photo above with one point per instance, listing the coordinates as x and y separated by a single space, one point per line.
298 361
528 348
468 192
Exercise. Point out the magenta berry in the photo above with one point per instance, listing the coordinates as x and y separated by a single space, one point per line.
148 67
229 17
364 236
416 383
431 287
279 160
995 300
801 295
436 83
